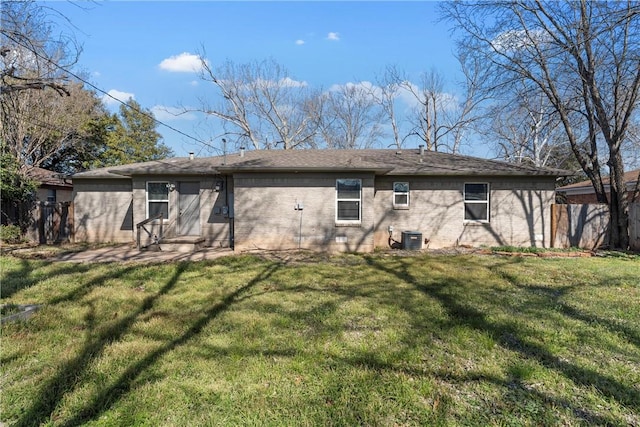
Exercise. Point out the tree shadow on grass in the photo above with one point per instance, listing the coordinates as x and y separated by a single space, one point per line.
554 299
514 386
69 376
53 391
509 337
16 280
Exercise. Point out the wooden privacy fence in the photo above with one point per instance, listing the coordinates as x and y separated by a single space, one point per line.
54 222
587 226
634 226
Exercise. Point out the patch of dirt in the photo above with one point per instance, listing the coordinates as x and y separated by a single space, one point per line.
307 256
9 248
545 254
36 251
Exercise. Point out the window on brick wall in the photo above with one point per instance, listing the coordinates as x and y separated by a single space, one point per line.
158 199
348 201
401 195
476 202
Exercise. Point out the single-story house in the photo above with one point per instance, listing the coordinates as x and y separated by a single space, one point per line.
53 187
583 192
334 200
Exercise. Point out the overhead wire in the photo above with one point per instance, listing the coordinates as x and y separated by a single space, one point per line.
105 93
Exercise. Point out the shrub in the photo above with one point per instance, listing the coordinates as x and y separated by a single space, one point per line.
10 234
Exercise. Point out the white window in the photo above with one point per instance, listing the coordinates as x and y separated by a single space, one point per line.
158 199
401 195
348 197
476 202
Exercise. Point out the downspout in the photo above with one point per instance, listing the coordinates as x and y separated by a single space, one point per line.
229 208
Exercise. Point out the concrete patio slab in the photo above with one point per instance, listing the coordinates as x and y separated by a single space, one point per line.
129 253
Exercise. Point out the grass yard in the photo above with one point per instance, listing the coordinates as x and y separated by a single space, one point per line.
376 340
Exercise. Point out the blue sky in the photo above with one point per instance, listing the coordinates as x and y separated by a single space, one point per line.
136 48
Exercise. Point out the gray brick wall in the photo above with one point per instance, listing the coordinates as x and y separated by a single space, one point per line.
519 211
103 211
265 216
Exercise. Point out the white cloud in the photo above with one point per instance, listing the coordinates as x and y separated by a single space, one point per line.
166 114
289 82
362 86
194 83
118 95
299 42
333 36
183 63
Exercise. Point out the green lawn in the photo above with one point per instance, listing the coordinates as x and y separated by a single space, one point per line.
377 340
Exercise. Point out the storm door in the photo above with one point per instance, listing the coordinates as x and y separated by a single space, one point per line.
189 208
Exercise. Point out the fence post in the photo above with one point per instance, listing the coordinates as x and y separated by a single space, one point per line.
41 224
71 223
554 224
634 226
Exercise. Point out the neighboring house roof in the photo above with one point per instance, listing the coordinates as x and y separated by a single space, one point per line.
381 162
48 178
586 187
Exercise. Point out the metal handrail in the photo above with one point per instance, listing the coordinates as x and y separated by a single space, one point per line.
141 224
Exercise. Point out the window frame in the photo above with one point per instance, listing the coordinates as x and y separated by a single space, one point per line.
486 202
149 200
51 195
358 200
401 193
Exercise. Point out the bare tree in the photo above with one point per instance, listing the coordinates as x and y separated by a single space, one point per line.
430 101
31 54
527 129
351 117
385 93
440 119
631 150
36 125
42 112
262 105
467 111
583 56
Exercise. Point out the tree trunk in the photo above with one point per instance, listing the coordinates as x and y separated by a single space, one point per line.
618 204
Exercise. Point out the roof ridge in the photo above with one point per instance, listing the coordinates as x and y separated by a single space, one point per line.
389 161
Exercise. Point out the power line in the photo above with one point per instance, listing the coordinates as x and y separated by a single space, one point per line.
151 116
96 88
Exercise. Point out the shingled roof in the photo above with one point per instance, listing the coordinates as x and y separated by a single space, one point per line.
47 178
380 162
630 178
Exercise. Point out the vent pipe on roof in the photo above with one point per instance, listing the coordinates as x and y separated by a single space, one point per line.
421 147
224 151
191 155
241 151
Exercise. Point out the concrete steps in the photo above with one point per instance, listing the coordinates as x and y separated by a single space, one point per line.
183 244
